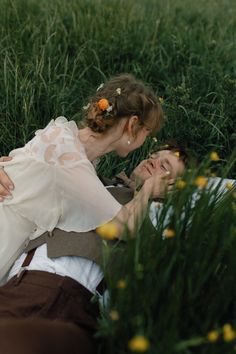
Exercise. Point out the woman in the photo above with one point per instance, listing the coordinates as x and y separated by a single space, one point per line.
56 183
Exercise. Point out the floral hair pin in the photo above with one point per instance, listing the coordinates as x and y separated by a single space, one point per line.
100 86
104 105
86 107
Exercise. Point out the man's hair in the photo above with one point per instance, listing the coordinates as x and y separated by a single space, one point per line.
176 148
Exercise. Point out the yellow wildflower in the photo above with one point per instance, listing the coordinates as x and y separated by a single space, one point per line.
229 186
214 156
114 314
176 153
161 100
169 233
139 344
108 231
180 184
212 336
228 333
121 284
201 181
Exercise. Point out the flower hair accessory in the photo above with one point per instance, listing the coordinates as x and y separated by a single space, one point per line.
100 86
104 105
86 107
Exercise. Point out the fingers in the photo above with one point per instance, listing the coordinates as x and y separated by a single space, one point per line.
5 158
6 185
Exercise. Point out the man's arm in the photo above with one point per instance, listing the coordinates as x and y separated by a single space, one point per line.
6 185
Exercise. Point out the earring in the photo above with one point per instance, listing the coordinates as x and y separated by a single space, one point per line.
128 142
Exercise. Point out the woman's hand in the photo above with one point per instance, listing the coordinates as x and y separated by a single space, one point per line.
158 185
6 185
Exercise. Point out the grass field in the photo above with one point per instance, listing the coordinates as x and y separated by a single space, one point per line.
54 54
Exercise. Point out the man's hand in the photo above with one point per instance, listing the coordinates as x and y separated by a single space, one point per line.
6 185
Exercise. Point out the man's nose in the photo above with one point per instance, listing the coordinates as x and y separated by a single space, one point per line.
154 162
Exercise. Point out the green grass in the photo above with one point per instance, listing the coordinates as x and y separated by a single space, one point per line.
54 54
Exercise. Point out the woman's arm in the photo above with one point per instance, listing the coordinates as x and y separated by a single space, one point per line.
6 185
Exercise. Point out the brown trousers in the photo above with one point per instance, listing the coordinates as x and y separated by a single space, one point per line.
42 313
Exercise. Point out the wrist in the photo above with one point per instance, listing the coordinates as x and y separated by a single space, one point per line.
147 188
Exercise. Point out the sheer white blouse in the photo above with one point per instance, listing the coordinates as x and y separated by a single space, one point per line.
55 186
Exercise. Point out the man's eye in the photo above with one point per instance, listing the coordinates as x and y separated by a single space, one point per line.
164 168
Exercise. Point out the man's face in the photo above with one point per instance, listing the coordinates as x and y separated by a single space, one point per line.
159 163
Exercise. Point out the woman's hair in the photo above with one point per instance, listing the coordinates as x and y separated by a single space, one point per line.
123 96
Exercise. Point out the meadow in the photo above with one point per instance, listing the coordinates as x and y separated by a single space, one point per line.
54 54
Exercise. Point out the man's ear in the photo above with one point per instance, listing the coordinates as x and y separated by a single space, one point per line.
131 125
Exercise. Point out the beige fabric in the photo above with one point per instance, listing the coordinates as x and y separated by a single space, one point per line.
55 185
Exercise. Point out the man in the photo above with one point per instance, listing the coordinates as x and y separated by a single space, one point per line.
51 287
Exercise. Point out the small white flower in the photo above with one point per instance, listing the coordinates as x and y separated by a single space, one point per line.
118 90
154 139
86 107
109 109
100 86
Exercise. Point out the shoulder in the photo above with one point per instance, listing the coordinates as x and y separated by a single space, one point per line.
57 127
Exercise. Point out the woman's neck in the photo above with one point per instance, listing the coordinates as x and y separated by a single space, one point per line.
96 144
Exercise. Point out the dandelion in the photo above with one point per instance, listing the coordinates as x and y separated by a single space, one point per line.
169 233
201 181
212 336
139 344
229 186
180 184
214 156
108 231
176 153
103 104
161 100
228 333
114 315
121 284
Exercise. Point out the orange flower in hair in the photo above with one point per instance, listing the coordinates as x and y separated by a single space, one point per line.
103 104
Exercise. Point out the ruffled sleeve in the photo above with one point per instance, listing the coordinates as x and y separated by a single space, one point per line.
57 144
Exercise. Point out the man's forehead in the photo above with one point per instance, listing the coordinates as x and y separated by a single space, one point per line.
163 153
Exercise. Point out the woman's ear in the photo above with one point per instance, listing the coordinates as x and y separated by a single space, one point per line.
131 127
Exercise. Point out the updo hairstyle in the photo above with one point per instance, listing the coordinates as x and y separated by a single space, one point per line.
126 97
